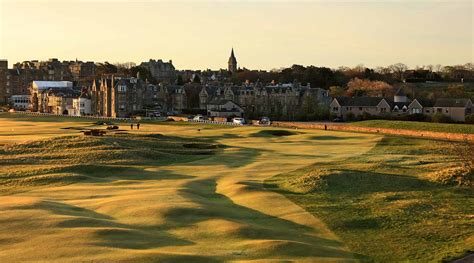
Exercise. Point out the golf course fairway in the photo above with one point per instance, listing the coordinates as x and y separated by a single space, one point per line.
169 192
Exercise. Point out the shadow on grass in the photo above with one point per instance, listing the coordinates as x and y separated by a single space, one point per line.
292 239
352 182
273 133
108 173
236 157
107 230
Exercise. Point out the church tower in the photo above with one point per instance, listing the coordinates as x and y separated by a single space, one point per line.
232 62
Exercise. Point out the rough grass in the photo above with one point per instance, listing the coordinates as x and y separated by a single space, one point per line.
68 159
383 205
418 126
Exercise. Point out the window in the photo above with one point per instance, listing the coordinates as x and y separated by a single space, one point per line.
447 111
439 110
335 109
122 88
383 109
360 108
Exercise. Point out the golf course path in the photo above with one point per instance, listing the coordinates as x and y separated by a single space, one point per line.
210 210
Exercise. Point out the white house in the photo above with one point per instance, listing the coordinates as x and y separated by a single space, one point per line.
81 106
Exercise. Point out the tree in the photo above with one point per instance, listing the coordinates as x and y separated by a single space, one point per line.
144 73
365 87
398 69
105 68
337 91
455 91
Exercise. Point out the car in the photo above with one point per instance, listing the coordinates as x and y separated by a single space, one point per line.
337 120
238 120
198 118
264 121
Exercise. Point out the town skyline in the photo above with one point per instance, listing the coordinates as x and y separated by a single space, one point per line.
311 33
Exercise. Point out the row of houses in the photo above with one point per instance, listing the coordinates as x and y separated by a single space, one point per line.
124 96
347 107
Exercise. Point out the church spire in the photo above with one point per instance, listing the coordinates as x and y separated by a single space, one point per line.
232 63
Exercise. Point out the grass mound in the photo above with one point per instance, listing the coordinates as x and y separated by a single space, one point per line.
62 159
266 133
387 196
307 182
460 175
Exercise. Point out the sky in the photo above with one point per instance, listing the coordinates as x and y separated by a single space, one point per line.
264 34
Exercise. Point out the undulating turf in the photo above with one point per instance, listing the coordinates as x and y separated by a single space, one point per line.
417 126
195 193
382 204
167 192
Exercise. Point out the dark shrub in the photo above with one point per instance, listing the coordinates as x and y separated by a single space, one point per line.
441 118
470 119
350 116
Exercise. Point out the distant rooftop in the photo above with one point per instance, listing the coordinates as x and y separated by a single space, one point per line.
41 85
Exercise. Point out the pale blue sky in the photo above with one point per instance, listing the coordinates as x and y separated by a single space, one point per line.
264 34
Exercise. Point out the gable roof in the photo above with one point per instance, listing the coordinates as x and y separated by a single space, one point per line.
424 102
452 102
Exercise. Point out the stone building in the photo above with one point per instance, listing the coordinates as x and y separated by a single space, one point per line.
5 91
82 70
161 71
343 107
117 96
280 101
44 95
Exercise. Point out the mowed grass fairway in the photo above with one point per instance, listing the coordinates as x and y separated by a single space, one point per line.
171 192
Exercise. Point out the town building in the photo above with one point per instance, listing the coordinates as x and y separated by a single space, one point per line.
224 108
117 96
279 101
20 102
347 107
82 105
454 108
5 91
161 71
51 96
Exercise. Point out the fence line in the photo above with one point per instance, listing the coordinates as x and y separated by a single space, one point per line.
217 122
88 116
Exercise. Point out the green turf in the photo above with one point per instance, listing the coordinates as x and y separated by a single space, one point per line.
177 192
419 126
382 205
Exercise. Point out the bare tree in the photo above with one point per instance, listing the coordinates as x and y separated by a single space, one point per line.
399 69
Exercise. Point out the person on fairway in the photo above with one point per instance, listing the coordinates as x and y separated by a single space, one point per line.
138 126
131 126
